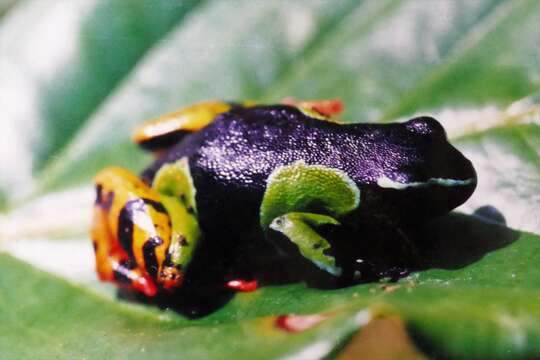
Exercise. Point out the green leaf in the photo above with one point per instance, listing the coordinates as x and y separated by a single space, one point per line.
237 64
58 71
446 309
75 77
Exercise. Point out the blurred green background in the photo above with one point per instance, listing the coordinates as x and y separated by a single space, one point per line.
77 75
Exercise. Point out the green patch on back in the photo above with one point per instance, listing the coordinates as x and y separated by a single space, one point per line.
175 185
299 187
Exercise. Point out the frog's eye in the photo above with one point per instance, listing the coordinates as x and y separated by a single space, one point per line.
163 132
426 125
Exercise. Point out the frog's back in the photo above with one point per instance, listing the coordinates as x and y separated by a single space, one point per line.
242 147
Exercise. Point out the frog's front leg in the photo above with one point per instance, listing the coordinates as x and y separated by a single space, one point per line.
144 236
299 198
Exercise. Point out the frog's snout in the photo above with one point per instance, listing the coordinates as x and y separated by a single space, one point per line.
444 160
450 175
457 181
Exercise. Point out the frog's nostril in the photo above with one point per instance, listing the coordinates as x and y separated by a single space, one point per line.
426 125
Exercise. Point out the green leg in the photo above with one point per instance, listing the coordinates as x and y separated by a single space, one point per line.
300 198
298 227
175 185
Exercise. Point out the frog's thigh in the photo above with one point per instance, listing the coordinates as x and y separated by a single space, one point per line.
161 133
174 184
302 197
318 109
130 230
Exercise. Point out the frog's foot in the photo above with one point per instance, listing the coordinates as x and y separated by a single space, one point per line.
161 133
144 237
300 198
125 272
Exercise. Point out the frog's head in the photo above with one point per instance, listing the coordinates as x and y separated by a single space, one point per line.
420 162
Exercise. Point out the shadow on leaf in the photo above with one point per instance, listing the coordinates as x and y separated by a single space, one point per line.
450 242
456 240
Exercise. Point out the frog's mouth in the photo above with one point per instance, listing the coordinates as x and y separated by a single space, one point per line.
453 180
387 183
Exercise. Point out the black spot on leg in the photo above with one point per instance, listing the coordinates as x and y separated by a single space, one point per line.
99 194
128 264
168 260
156 205
103 199
183 198
149 255
126 220
125 224
182 241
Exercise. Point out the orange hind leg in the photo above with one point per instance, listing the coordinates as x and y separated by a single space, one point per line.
118 256
113 264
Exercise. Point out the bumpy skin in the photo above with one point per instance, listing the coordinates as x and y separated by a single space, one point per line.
231 159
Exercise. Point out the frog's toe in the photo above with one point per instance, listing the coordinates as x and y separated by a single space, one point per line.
128 276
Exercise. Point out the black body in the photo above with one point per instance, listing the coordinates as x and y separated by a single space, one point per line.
231 159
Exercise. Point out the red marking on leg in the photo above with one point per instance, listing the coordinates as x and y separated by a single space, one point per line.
298 323
145 285
171 277
242 285
324 107
328 107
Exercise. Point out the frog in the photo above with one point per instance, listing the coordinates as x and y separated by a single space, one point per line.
234 179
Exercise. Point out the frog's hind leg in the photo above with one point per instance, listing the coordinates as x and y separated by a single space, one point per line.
161 133
300 198
322 109
112 261
145 236
131 230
